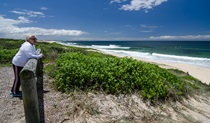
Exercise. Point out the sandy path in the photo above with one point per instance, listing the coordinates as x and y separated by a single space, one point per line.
11 109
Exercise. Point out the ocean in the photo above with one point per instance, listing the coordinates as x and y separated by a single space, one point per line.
195 53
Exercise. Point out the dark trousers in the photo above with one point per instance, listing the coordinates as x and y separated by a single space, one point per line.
16 85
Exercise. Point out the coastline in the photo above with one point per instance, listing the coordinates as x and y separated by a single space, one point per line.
200 73
98 106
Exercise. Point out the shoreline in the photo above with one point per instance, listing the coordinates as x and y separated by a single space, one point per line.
200 73
95 105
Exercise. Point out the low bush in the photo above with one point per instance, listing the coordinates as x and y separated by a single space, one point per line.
7 55
8 49
115 76
10 44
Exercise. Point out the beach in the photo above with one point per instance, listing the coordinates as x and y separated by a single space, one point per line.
198 67
111 61
188 56
201 73
98 106
62 107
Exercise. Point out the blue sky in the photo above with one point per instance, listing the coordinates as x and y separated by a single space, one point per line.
106 19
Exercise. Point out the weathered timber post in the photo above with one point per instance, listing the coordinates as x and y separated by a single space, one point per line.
40 90
28 77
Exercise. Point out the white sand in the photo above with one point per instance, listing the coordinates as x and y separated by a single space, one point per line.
201 73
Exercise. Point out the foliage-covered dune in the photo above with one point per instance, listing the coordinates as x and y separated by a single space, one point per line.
116 76
78 68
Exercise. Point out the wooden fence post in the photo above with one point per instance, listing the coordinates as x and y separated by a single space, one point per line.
29 91
40 90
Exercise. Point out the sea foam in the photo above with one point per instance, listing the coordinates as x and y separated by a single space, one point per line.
197 61
111 46
125 51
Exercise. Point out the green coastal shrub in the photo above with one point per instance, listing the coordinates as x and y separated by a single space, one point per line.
115 76
10 44
8 49
7 55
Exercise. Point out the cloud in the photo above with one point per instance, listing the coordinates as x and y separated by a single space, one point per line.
146 31
186 37
9 28
117 1
142 28
152 38
44 8
115 33
136 5
112 33
24 19
146 28
28 13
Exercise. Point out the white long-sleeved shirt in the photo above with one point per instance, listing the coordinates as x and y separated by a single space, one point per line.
26 52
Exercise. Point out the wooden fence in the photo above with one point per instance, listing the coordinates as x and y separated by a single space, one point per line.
32 91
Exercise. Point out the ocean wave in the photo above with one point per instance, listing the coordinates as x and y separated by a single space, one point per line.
179 57
204 62
109 47
70 43
124 51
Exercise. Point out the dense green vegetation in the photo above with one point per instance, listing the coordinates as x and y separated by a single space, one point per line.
116 76
8 48
79 68
193 86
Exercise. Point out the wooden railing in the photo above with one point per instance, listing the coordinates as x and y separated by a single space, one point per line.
32 91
